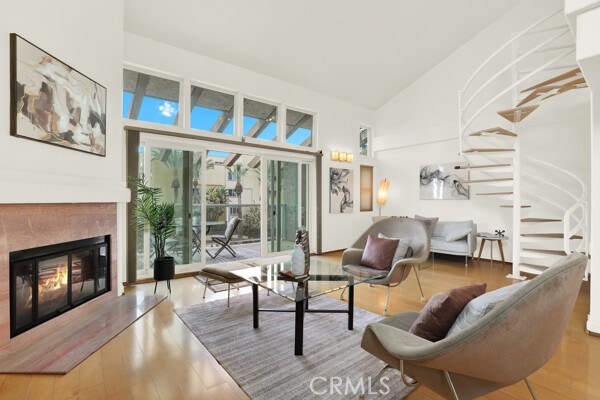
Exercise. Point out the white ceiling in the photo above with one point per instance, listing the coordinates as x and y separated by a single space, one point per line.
360 51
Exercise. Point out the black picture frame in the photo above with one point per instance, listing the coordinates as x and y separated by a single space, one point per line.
54 103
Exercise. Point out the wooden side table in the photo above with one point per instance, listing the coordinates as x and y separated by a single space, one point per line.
492 239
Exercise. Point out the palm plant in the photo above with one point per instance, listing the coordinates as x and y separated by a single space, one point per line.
215 195
238 171
154 215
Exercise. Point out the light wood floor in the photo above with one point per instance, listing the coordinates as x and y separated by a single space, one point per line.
158 358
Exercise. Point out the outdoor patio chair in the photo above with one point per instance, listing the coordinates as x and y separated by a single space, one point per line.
223 240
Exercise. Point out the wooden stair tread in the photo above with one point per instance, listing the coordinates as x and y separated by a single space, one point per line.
481 166
518 114
543 92
493 131
546 92
511 206
487 150
576 72
489 180
494 194
532 268
551 252
540 220
550 235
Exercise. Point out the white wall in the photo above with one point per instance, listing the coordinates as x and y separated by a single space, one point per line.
584 17
337 122
419 126
89 39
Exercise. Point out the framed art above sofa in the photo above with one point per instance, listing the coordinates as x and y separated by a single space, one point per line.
443 182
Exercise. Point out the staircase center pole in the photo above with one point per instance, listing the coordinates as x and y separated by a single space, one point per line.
516 216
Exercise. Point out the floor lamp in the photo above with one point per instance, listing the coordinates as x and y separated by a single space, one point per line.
382 193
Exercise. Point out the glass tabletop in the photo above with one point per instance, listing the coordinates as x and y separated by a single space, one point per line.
324 277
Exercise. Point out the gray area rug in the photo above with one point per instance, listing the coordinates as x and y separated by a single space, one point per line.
262 361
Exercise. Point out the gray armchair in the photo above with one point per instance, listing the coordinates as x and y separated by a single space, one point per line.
505 346
395 228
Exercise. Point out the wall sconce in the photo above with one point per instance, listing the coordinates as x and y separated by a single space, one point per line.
382 193
342 156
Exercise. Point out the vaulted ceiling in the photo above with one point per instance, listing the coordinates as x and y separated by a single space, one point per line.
360 51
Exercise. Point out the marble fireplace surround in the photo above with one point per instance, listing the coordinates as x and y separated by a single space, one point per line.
25 226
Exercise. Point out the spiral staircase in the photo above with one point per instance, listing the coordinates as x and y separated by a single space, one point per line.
550 216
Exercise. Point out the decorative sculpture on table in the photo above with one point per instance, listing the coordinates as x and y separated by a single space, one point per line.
302 239
500 232
300 257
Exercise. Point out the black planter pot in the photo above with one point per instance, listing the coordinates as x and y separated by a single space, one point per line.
164 270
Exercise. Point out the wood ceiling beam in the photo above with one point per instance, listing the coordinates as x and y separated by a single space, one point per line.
231 159
223 120
293 128
138 96
261 124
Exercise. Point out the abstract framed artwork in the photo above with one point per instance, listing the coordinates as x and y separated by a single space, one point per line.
53 103
444 182
341 191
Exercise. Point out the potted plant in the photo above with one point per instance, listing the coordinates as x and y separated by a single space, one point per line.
158 217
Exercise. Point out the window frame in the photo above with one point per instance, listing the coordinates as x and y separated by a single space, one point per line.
236 95
313 131
158 74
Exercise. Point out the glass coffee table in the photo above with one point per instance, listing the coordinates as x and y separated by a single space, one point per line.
325 277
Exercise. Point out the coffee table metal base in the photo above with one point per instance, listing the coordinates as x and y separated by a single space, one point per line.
300 309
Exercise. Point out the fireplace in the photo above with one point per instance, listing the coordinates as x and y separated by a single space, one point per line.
47 281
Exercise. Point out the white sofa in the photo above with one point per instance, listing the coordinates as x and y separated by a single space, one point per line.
457 238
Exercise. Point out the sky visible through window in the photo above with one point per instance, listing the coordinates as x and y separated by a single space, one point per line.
205 118
152 109
299 136
164 112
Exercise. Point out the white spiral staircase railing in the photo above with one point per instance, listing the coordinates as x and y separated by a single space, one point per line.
494 154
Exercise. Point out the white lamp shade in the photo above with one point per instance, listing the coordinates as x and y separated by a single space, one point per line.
382 193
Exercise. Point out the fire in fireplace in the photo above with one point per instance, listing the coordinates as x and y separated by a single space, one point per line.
47 281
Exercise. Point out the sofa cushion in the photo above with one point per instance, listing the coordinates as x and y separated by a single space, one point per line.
403 245
442 228
364 272
480 306
379 252
436 318
457 233
458 246
430 223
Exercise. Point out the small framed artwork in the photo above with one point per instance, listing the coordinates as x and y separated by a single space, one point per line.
53 103
341 191
444 182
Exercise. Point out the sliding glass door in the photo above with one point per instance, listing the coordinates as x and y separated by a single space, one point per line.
209 186
177 172
287 184
233 191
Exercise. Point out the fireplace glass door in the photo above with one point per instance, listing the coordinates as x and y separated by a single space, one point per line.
47 281
52 284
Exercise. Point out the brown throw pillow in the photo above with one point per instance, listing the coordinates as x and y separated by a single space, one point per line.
379 252
437 317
